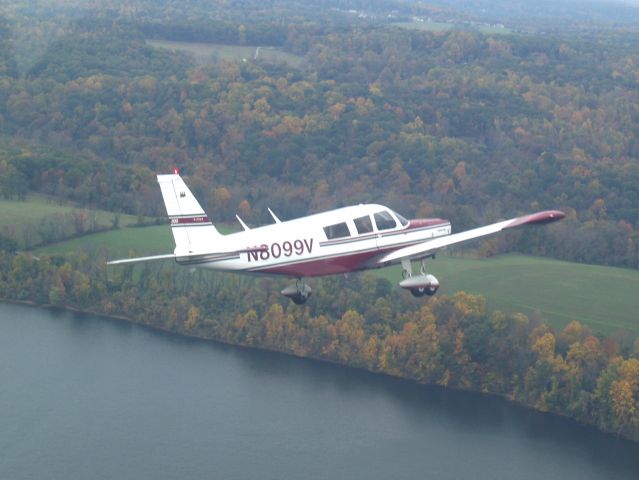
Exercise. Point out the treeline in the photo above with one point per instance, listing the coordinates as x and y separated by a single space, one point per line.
53 228
256 15
103 48
229 33
8 66
79 178
450 341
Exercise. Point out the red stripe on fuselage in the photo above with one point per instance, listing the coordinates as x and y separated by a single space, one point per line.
426 222
324 266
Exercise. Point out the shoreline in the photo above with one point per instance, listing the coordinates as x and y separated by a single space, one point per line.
122 319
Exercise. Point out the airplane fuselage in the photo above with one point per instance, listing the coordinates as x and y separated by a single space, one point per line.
338 241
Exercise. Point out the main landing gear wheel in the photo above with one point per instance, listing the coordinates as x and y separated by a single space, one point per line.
430 289
418 292
419 285
298 293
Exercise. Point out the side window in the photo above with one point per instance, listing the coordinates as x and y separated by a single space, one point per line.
384 221
339 230
363 224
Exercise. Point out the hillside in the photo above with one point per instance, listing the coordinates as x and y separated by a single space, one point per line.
454 123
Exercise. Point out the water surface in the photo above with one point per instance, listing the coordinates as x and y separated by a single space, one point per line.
85 397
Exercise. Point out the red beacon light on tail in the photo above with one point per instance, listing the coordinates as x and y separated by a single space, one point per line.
176 171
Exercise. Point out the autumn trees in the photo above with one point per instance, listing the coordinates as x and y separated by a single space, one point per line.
451 341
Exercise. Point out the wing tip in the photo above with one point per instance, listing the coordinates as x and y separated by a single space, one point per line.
538 218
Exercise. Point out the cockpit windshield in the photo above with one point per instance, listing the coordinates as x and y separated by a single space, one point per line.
384 221
401 219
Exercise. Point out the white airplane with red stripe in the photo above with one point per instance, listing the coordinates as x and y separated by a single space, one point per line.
338 241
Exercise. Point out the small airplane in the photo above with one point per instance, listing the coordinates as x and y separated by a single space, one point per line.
338 241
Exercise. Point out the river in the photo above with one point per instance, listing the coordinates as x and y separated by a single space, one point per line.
83 397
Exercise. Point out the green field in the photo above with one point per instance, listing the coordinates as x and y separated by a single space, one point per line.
118 243
444 26
605 298
38 207
40 219
204 53
121 243
427 26
494 30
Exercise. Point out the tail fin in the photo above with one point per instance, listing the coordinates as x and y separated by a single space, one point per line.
192 229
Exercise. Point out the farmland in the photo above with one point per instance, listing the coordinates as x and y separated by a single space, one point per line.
431 26
121 242
604 298
38 207
41 220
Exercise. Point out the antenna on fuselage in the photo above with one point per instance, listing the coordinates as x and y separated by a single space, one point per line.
244 225
277 220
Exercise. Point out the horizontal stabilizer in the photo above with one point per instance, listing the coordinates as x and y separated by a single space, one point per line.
141 259
429 247
187 258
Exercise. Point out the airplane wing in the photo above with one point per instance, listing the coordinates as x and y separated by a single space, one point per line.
431 246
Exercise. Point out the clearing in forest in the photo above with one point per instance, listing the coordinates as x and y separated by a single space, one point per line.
205 53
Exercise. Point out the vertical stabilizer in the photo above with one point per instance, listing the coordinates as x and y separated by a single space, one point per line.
192 229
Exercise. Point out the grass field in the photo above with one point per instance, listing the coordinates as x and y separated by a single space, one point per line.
444 26
426 26
37 207
605 298
138 241
494 30
209 52
118 243
22 220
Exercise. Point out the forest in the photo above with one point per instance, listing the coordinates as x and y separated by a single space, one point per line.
451 123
